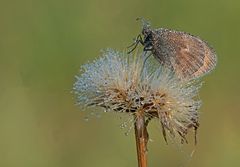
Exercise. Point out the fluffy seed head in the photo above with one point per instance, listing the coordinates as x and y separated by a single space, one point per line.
120 82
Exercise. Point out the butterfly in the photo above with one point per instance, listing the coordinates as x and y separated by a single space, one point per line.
189 56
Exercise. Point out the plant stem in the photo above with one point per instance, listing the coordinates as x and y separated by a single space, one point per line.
141 136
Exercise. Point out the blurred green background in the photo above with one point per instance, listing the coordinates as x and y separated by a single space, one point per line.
44 42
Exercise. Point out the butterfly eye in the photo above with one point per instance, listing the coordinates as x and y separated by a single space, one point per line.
146 31
148 37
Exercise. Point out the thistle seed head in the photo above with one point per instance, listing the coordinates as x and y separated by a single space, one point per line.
120 82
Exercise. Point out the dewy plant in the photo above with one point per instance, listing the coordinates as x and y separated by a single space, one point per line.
121 82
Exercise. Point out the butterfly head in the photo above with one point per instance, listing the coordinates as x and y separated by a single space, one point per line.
146 28
147 33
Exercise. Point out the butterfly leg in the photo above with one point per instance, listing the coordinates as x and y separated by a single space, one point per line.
135 44
145 60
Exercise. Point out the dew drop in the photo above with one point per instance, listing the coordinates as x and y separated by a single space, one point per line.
86 119
123 125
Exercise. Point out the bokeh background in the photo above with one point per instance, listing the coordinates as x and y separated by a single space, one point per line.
44 42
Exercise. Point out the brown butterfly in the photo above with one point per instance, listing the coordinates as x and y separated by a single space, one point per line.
188 55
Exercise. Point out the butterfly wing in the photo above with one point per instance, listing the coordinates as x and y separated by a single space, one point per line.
188 55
